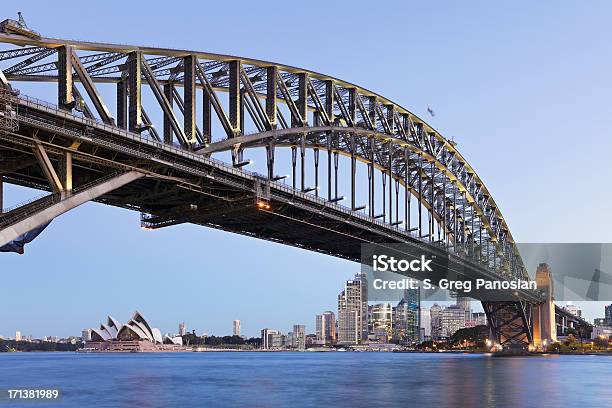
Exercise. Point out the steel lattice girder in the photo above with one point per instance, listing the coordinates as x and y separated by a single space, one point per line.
510 322
347 106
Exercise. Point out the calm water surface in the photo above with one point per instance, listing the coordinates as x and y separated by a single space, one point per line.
309 379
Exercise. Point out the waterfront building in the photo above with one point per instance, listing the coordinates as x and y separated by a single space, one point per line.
354 298
452 319
136 335
86 335
299 336
311 340
289 340
182 329
425 324
236 328
18 336
348 329
326 328
381 321
602 332
406 319
435 312
271 339
608 315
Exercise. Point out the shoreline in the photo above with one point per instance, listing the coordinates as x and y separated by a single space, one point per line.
494 354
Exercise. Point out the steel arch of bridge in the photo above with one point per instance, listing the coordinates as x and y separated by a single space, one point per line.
287 107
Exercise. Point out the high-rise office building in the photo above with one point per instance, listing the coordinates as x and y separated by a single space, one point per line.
348 329
608 315
289 340
299 336
18 336
271 339
326 328
425 322
380 321
354 298
452 319
465 304
236 328
434 313
407 319
182 329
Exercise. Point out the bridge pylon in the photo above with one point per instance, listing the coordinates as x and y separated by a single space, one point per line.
544 326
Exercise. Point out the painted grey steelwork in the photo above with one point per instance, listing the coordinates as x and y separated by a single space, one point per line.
269 106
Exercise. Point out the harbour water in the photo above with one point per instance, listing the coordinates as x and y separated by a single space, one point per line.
309 379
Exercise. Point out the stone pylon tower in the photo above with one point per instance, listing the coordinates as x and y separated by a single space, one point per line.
544 325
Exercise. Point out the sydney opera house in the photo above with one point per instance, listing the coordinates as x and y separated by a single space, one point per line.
136 335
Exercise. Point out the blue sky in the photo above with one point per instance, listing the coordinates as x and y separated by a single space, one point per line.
524 88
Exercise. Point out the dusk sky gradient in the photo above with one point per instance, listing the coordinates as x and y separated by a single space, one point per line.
524 88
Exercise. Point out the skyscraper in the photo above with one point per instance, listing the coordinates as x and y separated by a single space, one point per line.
407 320
608 315
182 329
236 331
18 336
381 321
425 317
464 303
299 336
348 331
354 298
434 313
452 319
326 328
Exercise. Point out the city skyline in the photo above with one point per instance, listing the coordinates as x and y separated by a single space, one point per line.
100 237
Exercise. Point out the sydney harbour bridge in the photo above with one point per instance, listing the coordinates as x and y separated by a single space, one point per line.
341 165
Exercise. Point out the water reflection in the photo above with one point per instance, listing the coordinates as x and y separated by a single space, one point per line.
307 379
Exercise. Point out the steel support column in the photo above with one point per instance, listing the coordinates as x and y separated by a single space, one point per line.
189 99
352 104
206 118
122 104
302 102
134 89
65 98
168 133
353 172
271 73
66 172
235 97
